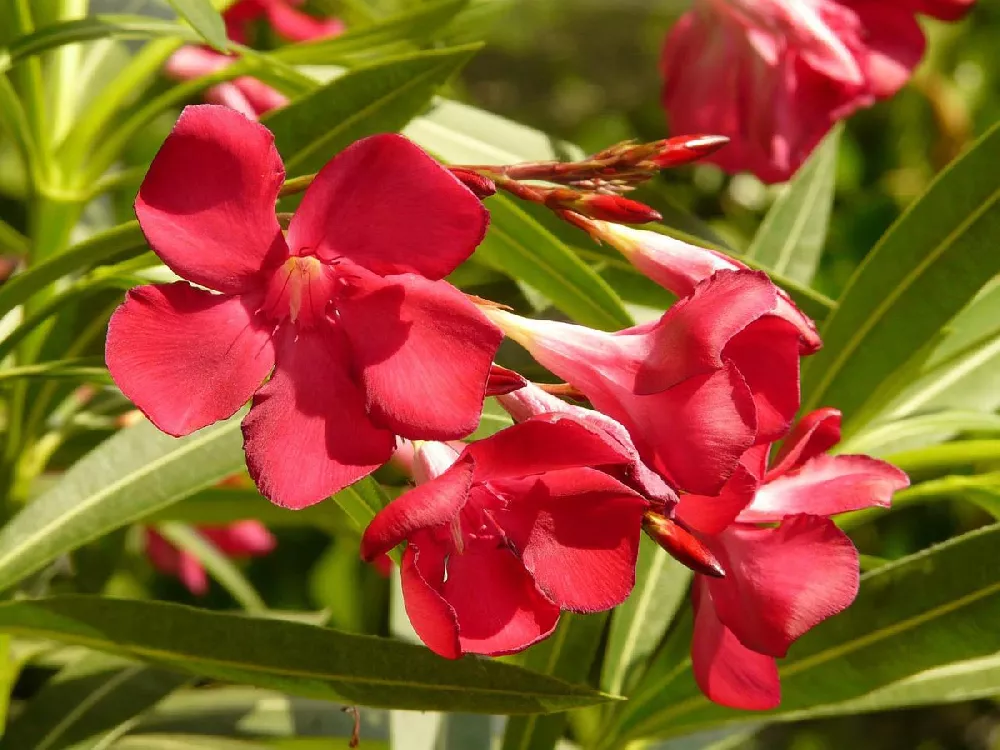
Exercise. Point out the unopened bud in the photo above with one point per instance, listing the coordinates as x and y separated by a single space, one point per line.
612 208
673 152
431 459
502 381
682 545
482 186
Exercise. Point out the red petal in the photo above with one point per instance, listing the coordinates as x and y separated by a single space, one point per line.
892 46
577 532
815 433
499 610
690 338
187 357
422 576
297 26
307 435
388 206
767 355
727 672
431 504
241 539
540 444
825 486
711 514
192 574
423 351
782 581
207 203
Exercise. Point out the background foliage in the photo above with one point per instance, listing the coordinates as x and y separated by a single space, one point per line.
883 237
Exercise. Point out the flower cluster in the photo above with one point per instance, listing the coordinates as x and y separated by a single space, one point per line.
776 75
342 332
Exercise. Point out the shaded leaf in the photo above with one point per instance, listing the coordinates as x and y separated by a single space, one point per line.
204 19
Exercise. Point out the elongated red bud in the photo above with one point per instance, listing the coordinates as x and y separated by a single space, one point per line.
482 186
673 152
682 545
503 381
615 208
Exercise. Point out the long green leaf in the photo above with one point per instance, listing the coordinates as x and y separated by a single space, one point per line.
11 240
523 249
132 474
926 268
930 427
204 19
922 612
292 657
381 97
791 237
88 700
413 26
567 654
84 369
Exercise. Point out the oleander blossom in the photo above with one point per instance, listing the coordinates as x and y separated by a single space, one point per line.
238 540
775 75
283 16
781 580
504 535
348 309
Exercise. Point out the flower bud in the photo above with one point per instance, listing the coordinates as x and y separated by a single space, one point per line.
483 187
502 381
682 545
673 152
431 459
605 207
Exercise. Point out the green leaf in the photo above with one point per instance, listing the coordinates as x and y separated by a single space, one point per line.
185 742
953 457
523 249
218 506
791 237
568 653
88 29
87 701
361 501
381 97
918 613
204 19
395 32
639 624
132 474
218 565
11 240
85 369
123 240
933 427
926 268
300 659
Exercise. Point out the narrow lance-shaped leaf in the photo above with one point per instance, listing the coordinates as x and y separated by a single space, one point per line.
296 658
204 19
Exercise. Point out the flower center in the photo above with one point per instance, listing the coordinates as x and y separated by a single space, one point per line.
300 289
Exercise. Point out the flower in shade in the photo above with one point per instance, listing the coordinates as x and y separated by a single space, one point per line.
785 576
718 373
503 536
348 310
283 16
775 75
236 540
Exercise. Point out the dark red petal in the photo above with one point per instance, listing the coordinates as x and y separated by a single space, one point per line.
423 352
307 435
767 355
577 532
543 443
383 203
499 609
206 205
431 504
825 486
727 672
690 338
187 357
711 514
422 576
502 381
782 581
815 433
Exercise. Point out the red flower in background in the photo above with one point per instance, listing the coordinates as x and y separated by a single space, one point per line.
775 75
236 540
718 373
364 340
283 17
515 529
780 580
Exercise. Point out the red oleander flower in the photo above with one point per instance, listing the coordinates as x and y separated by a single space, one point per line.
775 75
246 95
237 540
781 580
718 373
349 311
283 17
503 536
